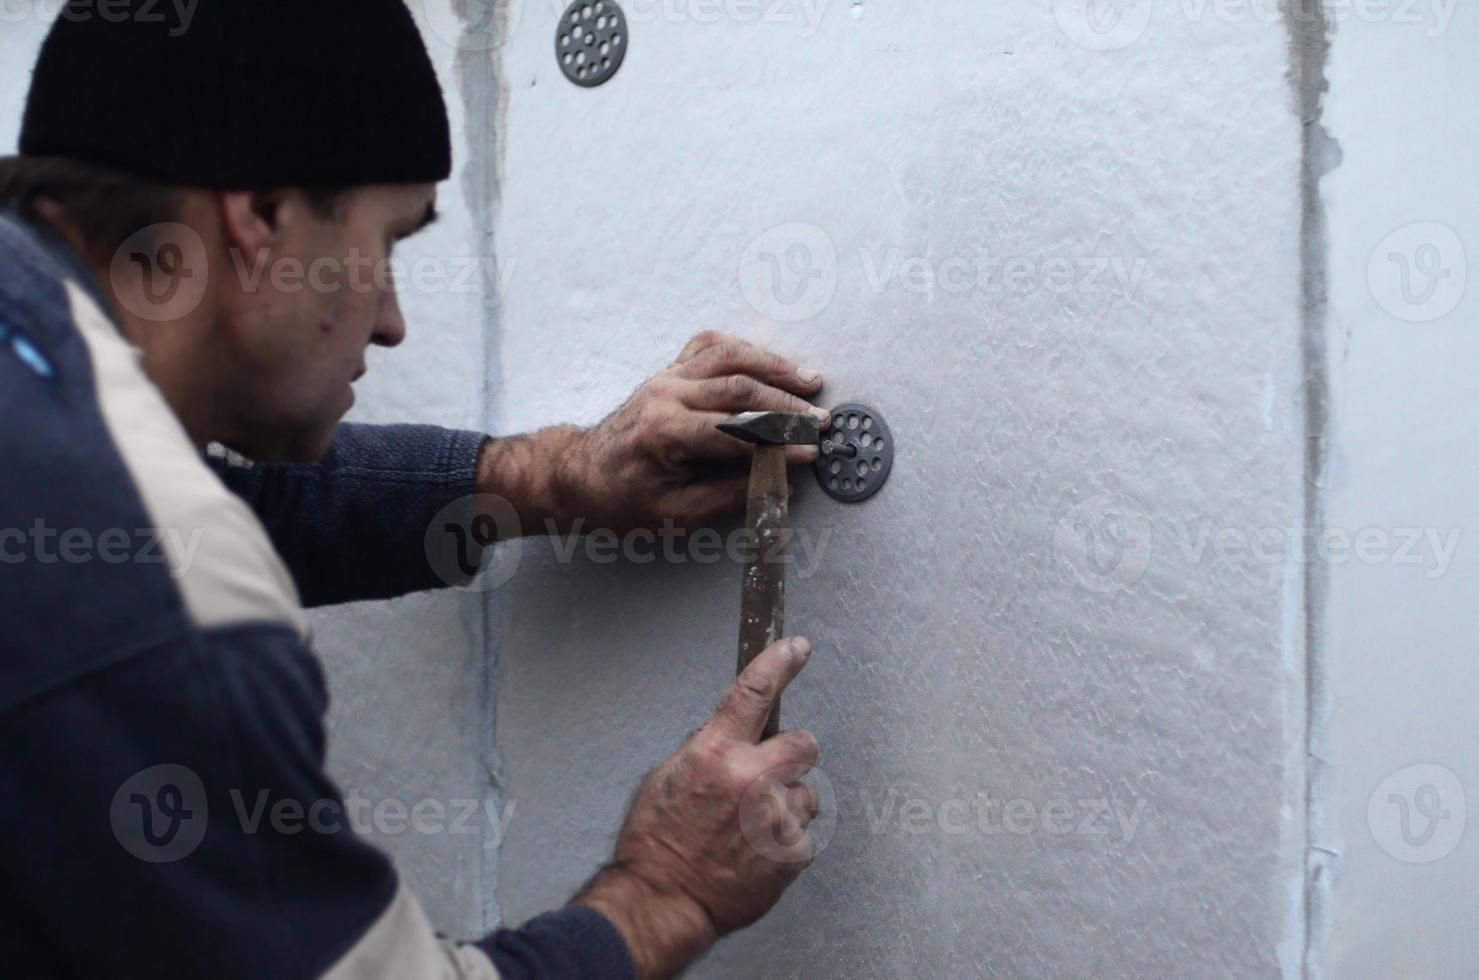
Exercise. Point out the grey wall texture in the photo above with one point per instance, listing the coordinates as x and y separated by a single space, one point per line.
1151 658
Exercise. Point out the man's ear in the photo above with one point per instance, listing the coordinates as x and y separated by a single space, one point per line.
254 220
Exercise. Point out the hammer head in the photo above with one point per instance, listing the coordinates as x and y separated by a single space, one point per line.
774 428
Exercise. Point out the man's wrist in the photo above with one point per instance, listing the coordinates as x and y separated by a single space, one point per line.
531 473
665 931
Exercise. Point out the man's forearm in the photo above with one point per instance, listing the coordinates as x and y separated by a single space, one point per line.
375 492
659 457
527 471
664 932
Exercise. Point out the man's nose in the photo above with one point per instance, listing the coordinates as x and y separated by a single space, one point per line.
390 325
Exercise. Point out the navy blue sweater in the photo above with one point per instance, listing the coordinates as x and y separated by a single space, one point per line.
162 792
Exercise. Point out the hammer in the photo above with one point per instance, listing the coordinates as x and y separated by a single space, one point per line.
763 591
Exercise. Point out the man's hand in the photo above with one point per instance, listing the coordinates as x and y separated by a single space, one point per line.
717 832
658 457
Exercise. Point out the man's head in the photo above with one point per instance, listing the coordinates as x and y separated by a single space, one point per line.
238 184
301 287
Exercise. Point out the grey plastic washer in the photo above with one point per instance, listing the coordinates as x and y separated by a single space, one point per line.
857 453
591 41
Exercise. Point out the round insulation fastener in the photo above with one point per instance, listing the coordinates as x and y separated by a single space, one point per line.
591 41
857 453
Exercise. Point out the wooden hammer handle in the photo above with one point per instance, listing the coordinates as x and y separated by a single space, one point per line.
763 594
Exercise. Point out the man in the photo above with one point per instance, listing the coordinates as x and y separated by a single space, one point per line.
141 701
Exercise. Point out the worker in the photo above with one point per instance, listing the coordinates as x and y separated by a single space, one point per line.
177 486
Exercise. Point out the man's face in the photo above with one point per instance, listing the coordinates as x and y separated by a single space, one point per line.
304 309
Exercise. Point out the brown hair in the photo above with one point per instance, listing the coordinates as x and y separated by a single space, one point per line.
106 206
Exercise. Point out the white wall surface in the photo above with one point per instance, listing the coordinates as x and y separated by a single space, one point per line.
968 651
1401 648
20 38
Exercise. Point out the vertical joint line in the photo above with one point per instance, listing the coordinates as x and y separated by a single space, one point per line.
479 71
1309 32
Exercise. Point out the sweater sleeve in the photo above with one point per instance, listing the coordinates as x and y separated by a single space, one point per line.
358 524
177 819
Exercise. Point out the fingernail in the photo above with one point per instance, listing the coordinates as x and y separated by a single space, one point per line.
800 647
821 413
807 375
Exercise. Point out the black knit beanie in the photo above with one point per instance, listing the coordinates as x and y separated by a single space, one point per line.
242 94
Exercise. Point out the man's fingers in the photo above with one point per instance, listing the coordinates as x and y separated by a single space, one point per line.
698 439
801 854
802 801
789 755
702 341
799 455
732 356
735 393
699 502
746 705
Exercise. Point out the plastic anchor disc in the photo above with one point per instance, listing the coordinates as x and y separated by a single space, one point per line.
591 41
857 453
